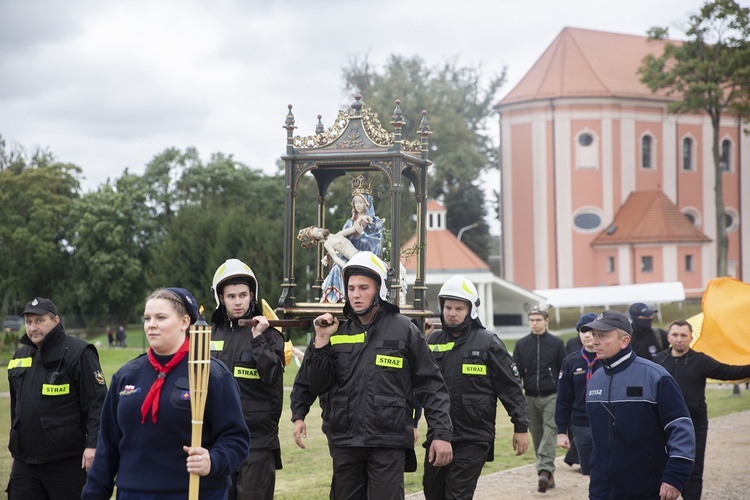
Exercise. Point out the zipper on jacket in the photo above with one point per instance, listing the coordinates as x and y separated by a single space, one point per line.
538 365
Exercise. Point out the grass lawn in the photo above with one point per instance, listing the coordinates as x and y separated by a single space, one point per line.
307 473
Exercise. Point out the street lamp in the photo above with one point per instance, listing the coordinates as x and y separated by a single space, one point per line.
465 228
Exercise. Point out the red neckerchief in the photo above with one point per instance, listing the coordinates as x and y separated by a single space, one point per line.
589 365
152 398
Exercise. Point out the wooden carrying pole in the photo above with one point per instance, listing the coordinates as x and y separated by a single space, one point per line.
284 323
199 366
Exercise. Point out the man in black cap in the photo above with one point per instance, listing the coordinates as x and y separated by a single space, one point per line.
647 341
57 390
644 443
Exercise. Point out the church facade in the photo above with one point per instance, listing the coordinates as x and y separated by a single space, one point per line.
602 186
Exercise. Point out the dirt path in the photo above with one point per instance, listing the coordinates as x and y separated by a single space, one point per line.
725 473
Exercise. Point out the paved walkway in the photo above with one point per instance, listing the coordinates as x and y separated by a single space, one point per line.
726 474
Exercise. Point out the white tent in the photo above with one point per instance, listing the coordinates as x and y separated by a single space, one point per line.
648 293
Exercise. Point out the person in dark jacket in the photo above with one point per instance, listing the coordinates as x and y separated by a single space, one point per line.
57 390
144 445
574 345
255 356
647 340
478 371
570 408
539 356
644 444
370 369
691 369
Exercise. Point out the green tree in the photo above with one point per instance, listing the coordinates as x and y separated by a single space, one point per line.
220 210
465 212
36 194
161 178
709 72
459 102
111 232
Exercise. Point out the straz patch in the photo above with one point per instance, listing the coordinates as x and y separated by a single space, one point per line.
467 369
240 372
55 390
389 361
128 390
99 377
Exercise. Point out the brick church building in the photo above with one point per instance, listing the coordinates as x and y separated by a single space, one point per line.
602 186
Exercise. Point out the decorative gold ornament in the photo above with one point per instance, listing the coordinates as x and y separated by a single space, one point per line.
361 184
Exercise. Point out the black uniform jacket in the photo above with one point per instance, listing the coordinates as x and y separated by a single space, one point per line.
539 358
258 367
56 395
478 370
691 371
371 377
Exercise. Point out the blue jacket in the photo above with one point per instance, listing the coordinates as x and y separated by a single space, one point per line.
571 392
641 428
148 457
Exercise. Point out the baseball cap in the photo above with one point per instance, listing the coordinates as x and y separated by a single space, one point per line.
40 305
640 309
538 310
584 319
609 320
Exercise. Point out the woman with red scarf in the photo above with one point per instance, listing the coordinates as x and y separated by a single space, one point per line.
144 440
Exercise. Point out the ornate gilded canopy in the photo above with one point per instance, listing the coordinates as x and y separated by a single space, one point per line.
355 143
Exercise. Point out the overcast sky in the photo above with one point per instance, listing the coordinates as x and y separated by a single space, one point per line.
108 85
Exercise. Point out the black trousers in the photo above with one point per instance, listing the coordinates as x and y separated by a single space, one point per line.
694 487
256 477
362 473
458 479
58 480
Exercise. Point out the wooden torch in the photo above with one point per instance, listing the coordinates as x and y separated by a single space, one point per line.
199 367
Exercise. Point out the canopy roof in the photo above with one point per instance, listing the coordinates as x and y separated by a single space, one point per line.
649 293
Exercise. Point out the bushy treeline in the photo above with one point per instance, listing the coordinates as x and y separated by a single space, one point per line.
99 253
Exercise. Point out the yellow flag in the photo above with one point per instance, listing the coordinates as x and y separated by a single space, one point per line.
725 331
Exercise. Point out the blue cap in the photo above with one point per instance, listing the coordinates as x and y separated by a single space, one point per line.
191 305
584 319
640 309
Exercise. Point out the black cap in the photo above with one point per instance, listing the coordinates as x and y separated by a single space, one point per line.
538 310
40 306
609 320
191 305
640 309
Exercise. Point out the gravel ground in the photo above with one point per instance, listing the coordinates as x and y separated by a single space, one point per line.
725 475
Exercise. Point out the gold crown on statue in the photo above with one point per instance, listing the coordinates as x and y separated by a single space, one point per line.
361 184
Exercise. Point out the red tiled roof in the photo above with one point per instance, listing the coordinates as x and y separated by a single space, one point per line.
434 205
588 63
649 217
444 253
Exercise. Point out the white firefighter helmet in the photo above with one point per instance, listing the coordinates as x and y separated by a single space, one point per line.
372 265
460 288
233 268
